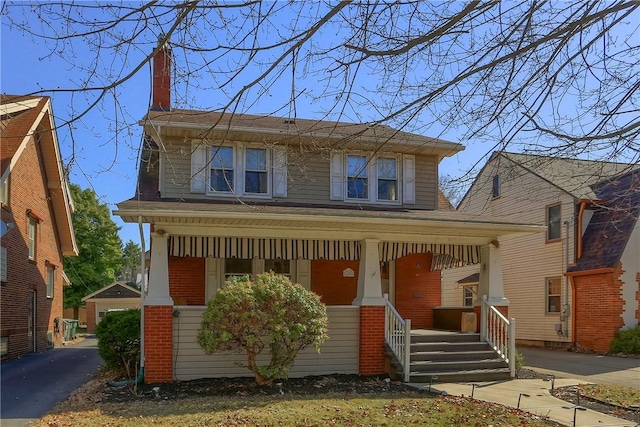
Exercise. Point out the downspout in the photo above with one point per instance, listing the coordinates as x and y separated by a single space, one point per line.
583 206
567 306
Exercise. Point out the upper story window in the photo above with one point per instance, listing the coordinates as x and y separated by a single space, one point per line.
238 170
222 171
495 188
256 172
368 178
553 223
387 178
357 183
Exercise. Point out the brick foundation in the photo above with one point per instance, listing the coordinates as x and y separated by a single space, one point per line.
158 344
371 340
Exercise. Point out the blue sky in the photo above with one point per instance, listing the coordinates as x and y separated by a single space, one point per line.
100 158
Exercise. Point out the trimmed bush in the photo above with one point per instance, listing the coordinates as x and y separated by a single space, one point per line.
118 335
627 342
270 313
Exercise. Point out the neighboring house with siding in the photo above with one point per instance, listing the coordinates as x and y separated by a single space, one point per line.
116 296
36 201
567 195
349 211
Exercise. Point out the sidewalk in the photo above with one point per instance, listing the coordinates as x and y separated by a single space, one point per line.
540 402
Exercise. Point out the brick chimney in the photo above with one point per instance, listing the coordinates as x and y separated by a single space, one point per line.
162 79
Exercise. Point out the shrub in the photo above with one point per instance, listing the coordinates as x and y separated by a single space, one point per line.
118 335
627 342
268 312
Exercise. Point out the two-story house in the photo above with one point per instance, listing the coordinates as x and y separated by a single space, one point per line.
349 211
36 206
569 196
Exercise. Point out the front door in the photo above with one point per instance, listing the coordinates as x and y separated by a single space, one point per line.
31 322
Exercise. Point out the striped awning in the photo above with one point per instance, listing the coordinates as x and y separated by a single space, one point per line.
231 247
444 256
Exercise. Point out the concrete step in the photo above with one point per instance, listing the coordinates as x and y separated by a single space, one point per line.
475 375
452 355
457 365
445 337
423 347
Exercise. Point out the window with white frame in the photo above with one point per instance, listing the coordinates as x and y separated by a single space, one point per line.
368 178
51 278
33 237
554 231
387 178
357 182
553 289
469 294
238 170
221 172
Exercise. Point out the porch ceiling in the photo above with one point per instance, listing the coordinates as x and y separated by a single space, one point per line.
268 221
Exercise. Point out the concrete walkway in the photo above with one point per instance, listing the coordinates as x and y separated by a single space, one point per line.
540 402
32 385
585 367
569 369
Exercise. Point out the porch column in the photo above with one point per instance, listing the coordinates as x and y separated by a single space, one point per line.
158 315
369 281
372 309
491 281
491 275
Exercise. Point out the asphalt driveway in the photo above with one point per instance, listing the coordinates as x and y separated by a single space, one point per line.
584 367
32 385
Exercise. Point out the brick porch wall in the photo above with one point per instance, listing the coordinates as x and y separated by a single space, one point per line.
158 345
371 358
328 282
187 280
418 289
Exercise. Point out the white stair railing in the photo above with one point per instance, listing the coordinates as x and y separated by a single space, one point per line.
397 334
499 332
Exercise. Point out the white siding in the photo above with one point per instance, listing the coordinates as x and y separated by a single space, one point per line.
526 259
339 354
452 295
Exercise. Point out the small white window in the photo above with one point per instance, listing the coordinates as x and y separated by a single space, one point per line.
51 280
32 236
553 223
553 294
495 190
469 294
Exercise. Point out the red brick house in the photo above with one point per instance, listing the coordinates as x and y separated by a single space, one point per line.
349 211
36 205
